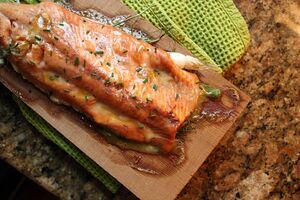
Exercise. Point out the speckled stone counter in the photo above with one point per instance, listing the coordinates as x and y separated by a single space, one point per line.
259 160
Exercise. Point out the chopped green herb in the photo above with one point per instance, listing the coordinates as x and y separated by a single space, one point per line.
56 38
155 87
133 87
47 30
53 77
139 69
108 64
141 126
37 37
145 80
125 51
210 91
2 61
112 75
177 96
76 61
155 50
61 24
107 82
100 52
86 98
84 20
88 31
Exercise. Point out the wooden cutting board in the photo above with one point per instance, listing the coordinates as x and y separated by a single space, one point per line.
199 142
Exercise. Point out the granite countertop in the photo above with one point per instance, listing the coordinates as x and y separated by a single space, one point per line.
259 160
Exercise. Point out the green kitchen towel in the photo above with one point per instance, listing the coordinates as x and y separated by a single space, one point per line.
213 30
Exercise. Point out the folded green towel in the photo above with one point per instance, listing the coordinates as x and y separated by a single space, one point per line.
213 30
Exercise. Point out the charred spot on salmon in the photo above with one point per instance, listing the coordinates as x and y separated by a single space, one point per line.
119 85
132 96
125 51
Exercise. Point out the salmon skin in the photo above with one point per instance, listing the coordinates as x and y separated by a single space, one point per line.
126 85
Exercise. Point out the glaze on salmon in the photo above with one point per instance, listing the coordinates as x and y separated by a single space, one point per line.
130 87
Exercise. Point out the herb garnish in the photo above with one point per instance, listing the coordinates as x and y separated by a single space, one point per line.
107 82
155 87
211 92
37 37
100 52
139 69
141 126
145 80
76 61
53 77
56 38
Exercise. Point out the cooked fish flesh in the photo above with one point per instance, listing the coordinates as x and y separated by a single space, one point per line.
137 91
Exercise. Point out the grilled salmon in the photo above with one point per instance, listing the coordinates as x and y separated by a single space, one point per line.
137 91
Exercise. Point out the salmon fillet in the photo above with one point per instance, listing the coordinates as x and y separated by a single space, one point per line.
124 84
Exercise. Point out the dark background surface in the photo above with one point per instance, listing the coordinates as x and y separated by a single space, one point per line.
16 186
